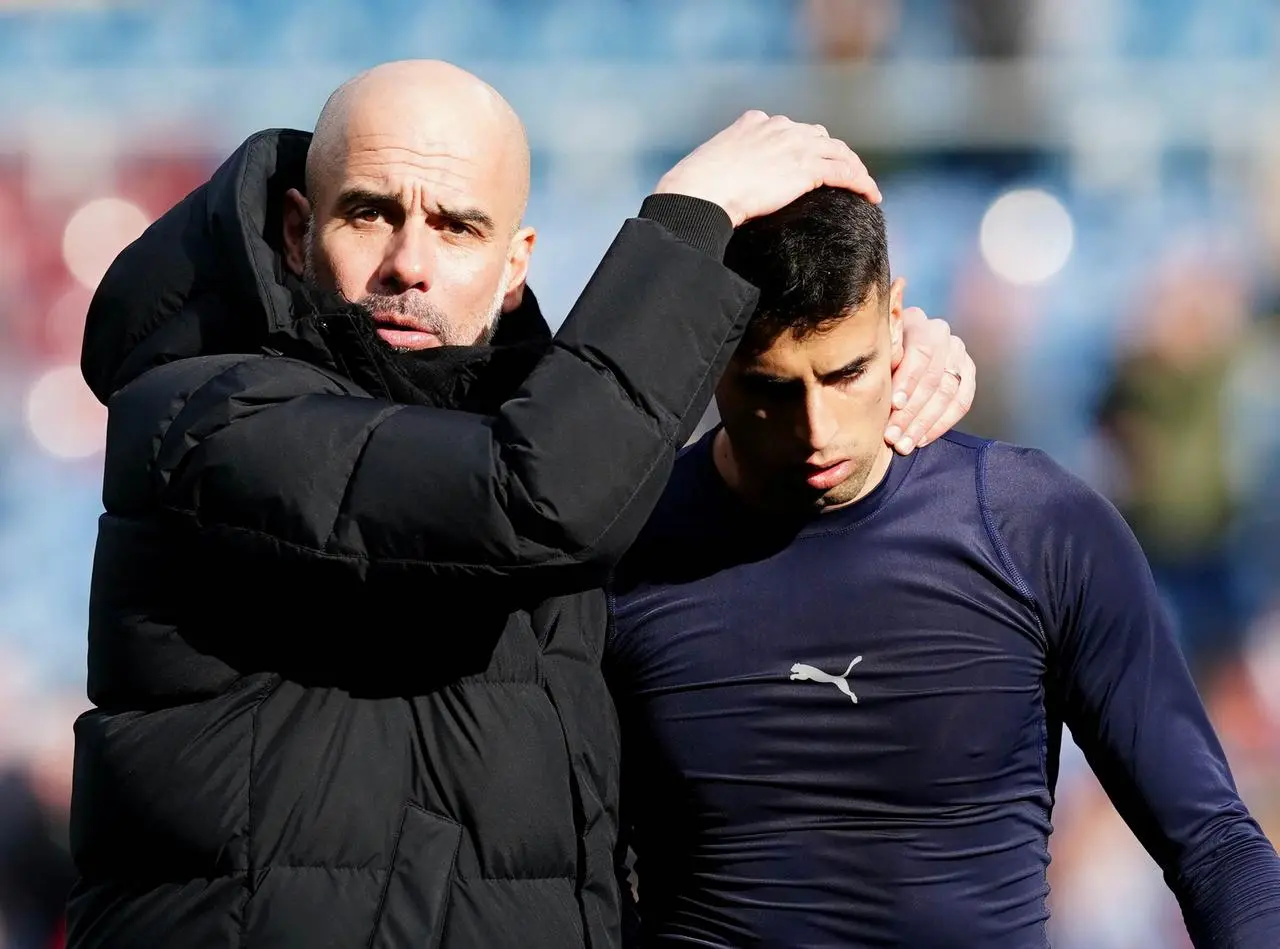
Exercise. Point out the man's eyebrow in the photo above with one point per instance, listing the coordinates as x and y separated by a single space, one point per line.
356 197
850 368
760 376
473 216
361 197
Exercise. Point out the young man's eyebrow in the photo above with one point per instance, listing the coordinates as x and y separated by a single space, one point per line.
851 368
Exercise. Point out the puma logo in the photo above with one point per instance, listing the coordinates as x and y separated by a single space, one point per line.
800 671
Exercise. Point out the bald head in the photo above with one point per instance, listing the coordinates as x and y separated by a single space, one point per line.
417 181
410 103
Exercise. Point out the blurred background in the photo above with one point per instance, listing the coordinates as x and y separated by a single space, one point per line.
1088 190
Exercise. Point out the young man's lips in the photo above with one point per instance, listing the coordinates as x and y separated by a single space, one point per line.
823 479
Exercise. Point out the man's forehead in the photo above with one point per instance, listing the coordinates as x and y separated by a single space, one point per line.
394 165
375 143
406 187
422 181
451 125
822 349
402 118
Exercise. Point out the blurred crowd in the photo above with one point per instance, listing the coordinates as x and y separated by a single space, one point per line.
1113 265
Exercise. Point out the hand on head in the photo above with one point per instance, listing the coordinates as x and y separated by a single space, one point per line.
762 163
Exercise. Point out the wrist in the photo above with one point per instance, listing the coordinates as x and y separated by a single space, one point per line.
696 221
674 186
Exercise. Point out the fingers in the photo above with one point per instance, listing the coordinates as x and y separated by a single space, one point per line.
842 168
915 358
968 385
917 379
930 417
838 165
960 404
763 162
840 174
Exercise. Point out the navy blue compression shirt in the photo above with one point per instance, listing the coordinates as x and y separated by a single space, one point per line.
845 732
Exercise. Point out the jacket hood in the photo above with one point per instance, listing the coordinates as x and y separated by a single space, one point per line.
209 277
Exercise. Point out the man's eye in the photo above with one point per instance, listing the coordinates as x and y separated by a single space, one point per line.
766 388
456 227
367 215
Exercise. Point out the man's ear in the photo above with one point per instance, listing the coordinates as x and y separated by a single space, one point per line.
896 290
297 216
518 254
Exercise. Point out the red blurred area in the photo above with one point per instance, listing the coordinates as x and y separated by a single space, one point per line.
44 305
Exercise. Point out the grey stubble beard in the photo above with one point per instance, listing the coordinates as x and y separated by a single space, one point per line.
425 314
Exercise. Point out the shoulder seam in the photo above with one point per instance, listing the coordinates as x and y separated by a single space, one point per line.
1002 549
964 440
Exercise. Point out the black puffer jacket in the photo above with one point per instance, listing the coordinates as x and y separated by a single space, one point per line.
345 621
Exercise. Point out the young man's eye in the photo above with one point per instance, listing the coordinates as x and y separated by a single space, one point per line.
367 215
762 388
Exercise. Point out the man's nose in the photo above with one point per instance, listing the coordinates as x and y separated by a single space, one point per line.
408 261
818 424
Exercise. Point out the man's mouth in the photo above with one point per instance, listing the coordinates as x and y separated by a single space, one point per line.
826 478
400 332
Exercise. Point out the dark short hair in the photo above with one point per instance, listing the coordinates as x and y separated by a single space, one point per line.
814 261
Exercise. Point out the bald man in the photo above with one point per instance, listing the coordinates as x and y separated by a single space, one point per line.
347 614
362 188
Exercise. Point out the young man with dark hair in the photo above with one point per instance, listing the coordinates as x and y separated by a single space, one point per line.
843 675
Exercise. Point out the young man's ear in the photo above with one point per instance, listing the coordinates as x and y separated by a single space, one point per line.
896 290
518 259
297 217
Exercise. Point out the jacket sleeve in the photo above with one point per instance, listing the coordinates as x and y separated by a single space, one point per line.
271 454
1124 689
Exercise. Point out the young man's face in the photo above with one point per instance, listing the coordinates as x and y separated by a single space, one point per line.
804 420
